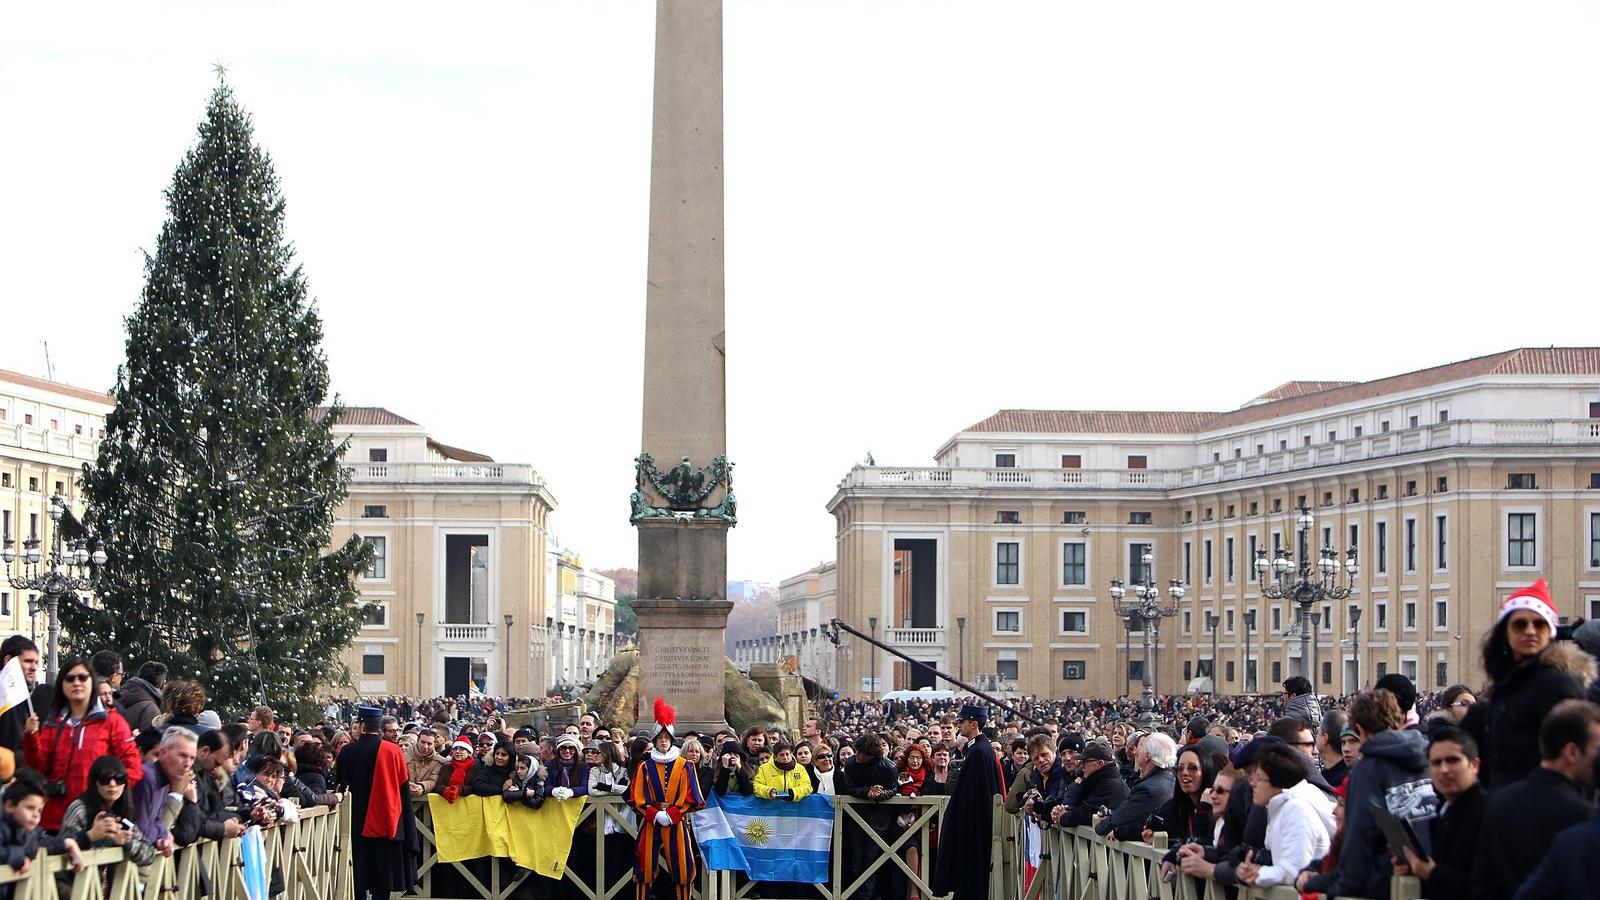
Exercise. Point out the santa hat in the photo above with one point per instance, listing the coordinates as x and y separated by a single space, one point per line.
1535 597
666 717
461 745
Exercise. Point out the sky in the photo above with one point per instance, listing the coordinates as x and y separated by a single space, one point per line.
934 210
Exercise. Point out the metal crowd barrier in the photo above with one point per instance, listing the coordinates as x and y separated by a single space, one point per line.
311 855
1076 863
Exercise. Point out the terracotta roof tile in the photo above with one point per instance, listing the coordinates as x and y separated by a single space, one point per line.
366 415
456 453
1296 397
45 384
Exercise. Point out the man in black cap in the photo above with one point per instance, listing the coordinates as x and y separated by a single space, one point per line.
385 850
963 868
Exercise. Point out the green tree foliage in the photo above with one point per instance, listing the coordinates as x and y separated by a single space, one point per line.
218 477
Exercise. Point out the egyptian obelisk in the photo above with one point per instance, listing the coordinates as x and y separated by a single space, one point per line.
683 504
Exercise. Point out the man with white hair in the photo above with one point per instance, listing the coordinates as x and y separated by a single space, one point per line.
1154 760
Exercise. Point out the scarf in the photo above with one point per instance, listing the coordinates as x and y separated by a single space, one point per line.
458 772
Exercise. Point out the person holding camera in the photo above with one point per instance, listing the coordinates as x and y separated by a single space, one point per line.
78 732
102 816
733 772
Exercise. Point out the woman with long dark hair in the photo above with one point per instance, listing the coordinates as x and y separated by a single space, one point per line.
1188 816
1529 674
79 731
102 816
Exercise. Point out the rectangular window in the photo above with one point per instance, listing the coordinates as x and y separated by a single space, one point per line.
1074 563
1071 461
1277 504
1357 431
1136 554
1074 517
1188 516
1594 608
1327 672
1139 518
1333 436
1138 462
1228 513
1255 508
1411 489
1074 669
1006 669
1005 460
1250 560
379 568
1411 422
1383 425
1188 560
1382 670
1380 615
1227 562
1355 495
1007 621
1408 668
1074 621
33 484
1441 542
1136 670
1327 617
1188 669
375 615
1383 492
1277 672
1204 668
1594 481
1227 621
1277 621
1327 498
1444 415
377 454
1594 540
1382 551
1441 674
1441 485
1355 534
1205 560
1520 481
1441 614
1188 622
1283 444
1229 670
372 664
371 511
5 604
1411 545
1007 517
1007 563
1410 609
1520 533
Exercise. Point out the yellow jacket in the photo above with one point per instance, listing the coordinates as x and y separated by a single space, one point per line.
770 779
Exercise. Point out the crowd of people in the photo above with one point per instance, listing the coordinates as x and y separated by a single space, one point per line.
1480 794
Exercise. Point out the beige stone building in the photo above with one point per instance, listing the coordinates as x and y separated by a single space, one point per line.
1454 484
580 620
48 430
806 602
458 588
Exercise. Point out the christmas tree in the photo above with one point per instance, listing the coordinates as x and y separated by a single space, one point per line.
219 475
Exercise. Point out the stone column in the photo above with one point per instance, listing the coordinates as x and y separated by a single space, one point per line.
683 528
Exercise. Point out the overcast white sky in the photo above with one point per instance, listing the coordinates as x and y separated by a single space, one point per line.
934 210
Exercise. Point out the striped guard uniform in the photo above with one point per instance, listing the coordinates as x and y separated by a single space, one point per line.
665 782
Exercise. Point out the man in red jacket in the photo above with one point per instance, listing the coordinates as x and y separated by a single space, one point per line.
385 850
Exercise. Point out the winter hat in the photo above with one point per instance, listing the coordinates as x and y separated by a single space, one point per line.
1211 744
1536 597
209 718
1246 754
1587 636
567 740
1401 687
1097 750
461 745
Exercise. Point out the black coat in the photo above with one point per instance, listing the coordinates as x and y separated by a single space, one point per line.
1103 788
1506 722
1519 824
963 863
1567 872
380 866
1146 798
1455 846
1390 762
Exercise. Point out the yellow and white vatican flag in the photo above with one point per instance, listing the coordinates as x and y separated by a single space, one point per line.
13 686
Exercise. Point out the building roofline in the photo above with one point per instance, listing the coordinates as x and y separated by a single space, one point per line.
57 387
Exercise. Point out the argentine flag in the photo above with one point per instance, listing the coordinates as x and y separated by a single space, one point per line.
768 840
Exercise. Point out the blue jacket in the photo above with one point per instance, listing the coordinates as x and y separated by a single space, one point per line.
1394 765
1567 871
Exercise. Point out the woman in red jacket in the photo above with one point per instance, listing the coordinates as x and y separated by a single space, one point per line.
78 732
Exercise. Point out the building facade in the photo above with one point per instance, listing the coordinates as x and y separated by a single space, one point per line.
580 621
456 593
48 431
806 603
1454 485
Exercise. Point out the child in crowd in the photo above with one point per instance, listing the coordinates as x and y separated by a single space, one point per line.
20 836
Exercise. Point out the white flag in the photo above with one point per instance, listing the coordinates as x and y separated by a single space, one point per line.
13 686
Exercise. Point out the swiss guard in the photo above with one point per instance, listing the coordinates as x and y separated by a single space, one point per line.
384 846
663 792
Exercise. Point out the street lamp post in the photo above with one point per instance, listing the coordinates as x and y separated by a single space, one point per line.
1355 644
872 623
1292 580
65 571
961 647
508 655
421 685
1316 622
1145 603
1249 626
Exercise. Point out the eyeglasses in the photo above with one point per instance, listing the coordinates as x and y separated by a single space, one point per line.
824 756
1528 625
113 779
75 677
1461 704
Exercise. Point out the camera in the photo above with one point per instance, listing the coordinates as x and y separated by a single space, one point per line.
55 789
1155 823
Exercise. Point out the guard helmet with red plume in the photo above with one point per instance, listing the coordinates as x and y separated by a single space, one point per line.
666 717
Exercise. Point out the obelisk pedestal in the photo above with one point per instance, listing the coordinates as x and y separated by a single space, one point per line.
684 508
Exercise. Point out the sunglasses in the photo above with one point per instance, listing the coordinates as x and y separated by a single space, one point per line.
824 756
75 677
113 779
